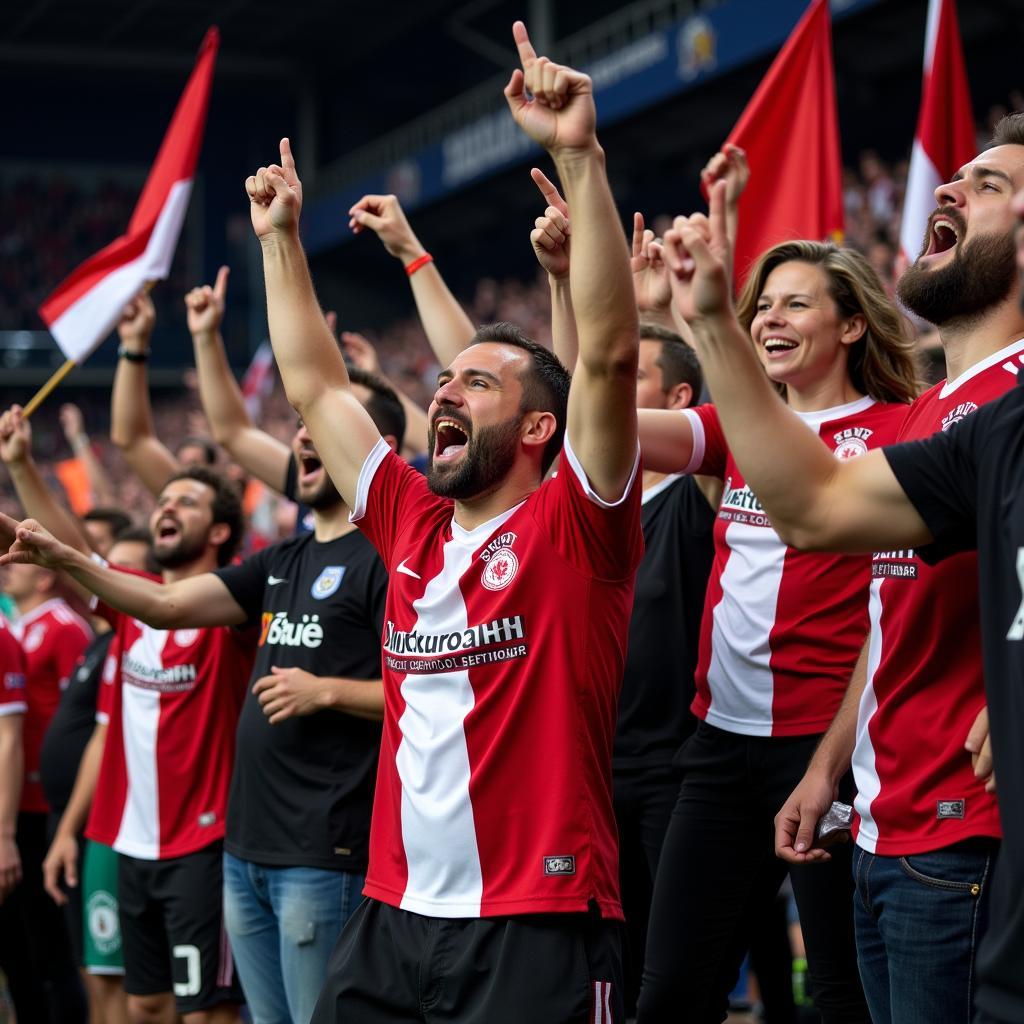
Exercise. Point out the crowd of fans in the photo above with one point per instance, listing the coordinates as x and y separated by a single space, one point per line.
760 728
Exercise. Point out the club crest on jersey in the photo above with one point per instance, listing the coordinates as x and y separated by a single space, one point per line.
963 410
852 442
327 582
500 569
186 637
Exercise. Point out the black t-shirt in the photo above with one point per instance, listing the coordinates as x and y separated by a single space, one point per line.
302 789
72 724
968 486
664 631
304 514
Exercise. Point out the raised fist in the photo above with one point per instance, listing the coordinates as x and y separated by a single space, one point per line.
550 234
205 305
384 216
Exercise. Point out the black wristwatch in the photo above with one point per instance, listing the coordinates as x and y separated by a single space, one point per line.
132 357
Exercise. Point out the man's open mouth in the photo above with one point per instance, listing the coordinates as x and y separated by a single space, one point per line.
943 235
167 529
309 466
450 438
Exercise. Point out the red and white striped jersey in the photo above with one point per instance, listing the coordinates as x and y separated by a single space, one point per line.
13 700
503 656
916 790
53 638
171 712
782 628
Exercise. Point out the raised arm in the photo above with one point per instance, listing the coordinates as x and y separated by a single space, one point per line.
552 247
131 418
559 114
815 501
36 498
312 367
256 451
202 600
449 330
73 425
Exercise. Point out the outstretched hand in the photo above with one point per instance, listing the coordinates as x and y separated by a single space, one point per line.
650 275
205 305
28 542
384 216
275 196
550 234
552 103
15 436
697 256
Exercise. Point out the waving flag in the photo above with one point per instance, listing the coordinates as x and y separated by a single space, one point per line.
945 140
790 130
87 305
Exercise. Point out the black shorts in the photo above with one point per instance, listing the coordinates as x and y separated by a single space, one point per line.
172 929
391 966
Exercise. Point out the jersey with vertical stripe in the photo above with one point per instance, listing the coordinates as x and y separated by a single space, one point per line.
503 655
53 638
782 628
172 712
13 700
916 789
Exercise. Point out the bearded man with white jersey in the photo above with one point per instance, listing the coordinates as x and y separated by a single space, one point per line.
927 828
492 875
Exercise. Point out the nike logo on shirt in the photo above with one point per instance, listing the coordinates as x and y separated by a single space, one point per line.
272 581
402 567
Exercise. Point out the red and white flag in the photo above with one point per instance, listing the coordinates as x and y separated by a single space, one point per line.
790 130
945 139
86 306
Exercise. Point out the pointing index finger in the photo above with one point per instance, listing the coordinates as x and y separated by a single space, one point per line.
287 160
527 54
548 190
220 287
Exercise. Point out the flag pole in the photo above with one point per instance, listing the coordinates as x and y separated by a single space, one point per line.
51 385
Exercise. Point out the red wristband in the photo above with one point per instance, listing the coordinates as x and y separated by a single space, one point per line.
420 261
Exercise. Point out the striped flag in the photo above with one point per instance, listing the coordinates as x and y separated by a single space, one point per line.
790 130
86 306
945 139
258 381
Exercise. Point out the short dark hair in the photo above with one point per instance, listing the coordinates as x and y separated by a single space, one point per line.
1009 131
545 385
677 361
226 506
208 448
114 518
384 406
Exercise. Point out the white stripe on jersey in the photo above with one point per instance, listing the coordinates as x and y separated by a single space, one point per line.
433 759
865 775
740 679
139 834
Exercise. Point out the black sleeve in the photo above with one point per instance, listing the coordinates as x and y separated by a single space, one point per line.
291 478
247 582
940 477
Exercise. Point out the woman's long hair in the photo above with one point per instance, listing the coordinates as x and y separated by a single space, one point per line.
881 362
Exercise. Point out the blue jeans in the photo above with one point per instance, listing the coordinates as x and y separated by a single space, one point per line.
283 924
919 920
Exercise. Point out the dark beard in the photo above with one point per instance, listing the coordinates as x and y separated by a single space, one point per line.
324 496
184 552
979 277
490 454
